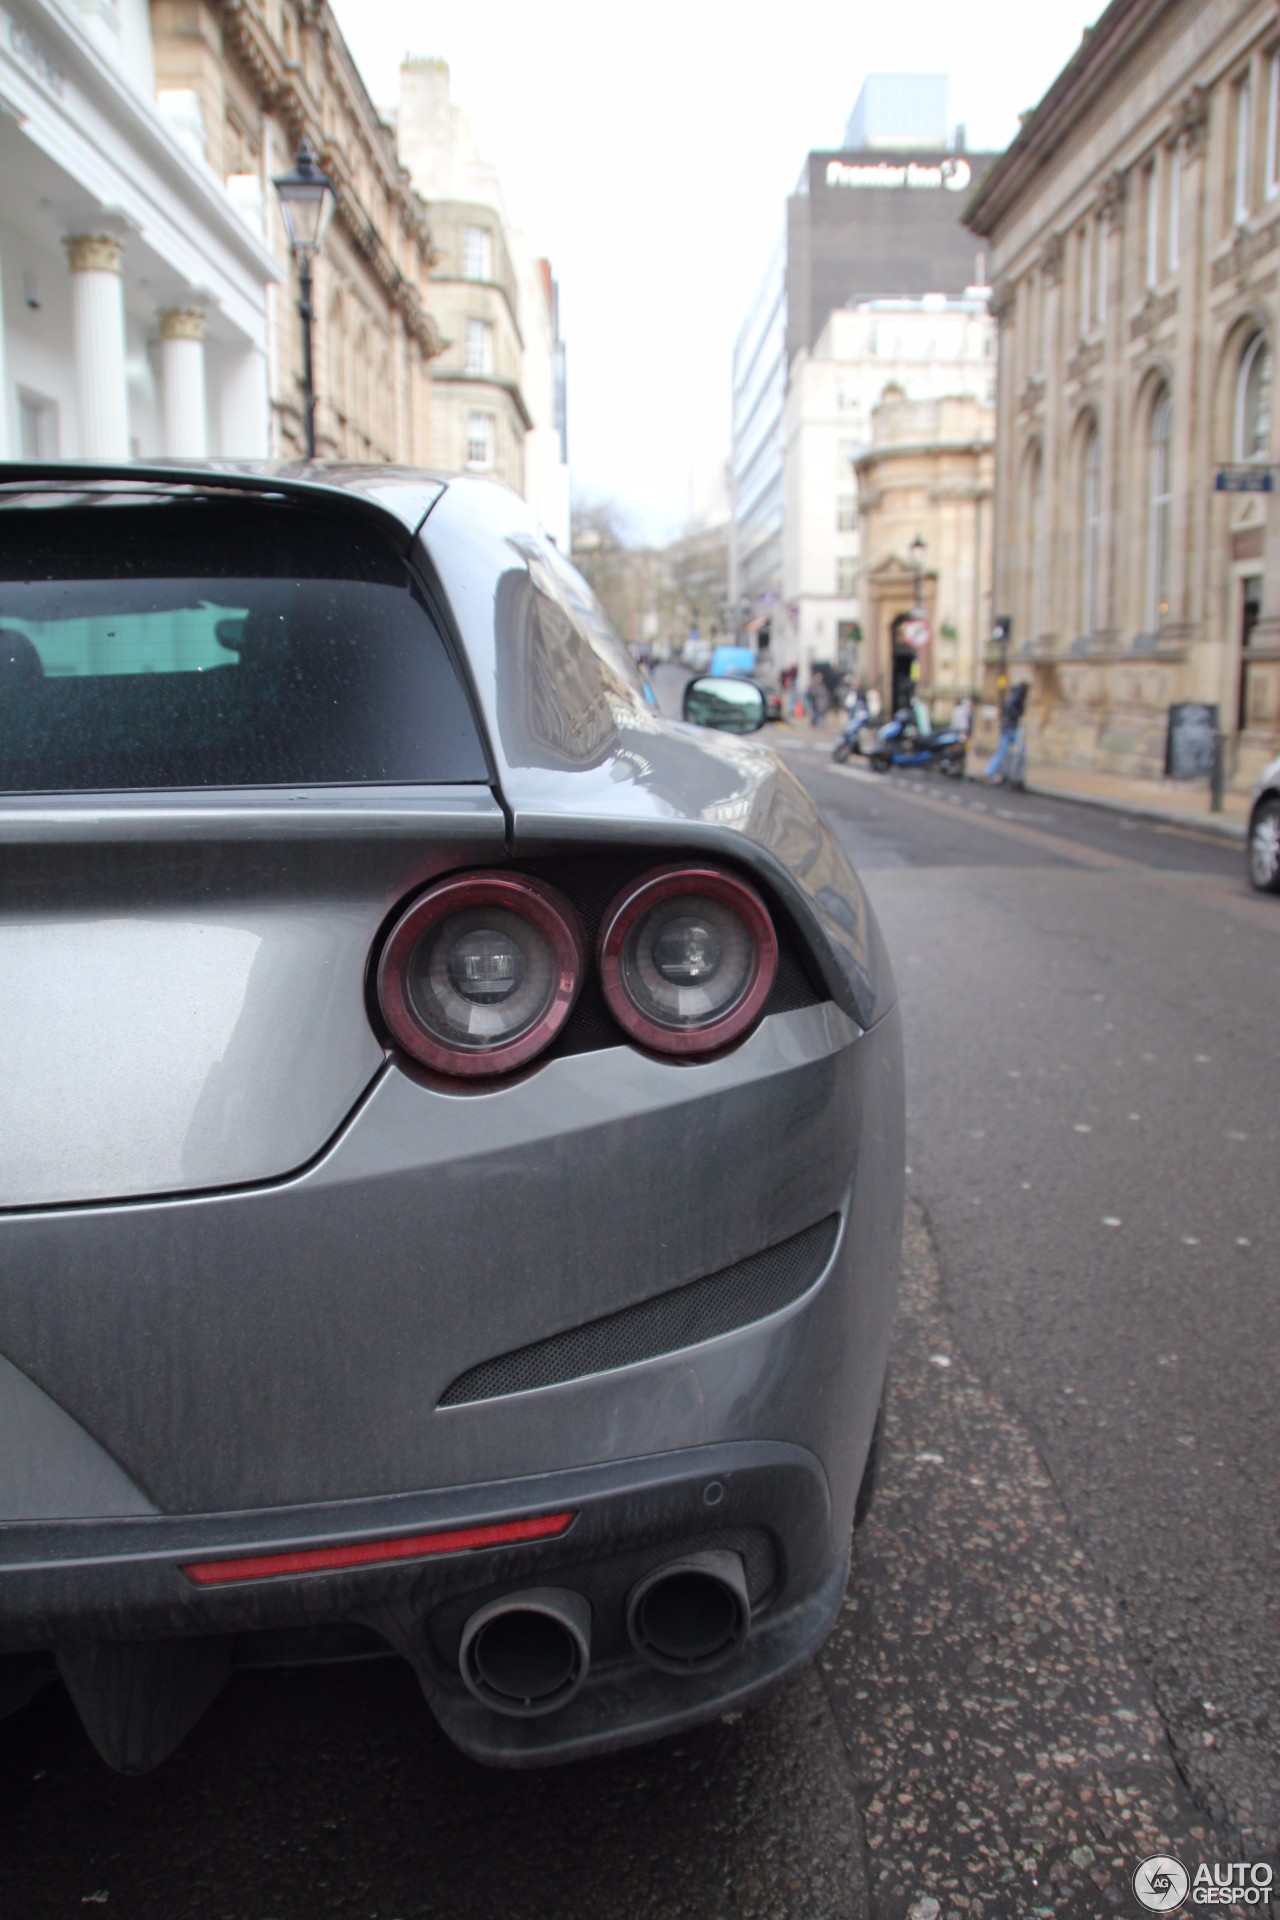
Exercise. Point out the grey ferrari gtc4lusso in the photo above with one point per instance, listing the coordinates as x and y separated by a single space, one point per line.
452 1148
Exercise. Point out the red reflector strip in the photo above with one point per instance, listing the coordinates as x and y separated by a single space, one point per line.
369 1553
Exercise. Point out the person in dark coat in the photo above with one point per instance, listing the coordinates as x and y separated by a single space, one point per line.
1015 705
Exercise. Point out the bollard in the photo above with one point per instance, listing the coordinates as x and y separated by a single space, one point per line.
1215 775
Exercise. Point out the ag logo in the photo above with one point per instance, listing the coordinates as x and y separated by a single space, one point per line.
1162 1883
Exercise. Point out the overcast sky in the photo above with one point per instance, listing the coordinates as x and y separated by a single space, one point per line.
649 152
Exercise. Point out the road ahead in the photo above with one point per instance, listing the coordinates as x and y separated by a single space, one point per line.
1058 1650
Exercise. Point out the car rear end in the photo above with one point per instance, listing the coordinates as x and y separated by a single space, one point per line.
426 1223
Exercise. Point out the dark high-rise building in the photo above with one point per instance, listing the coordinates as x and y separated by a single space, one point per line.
876 222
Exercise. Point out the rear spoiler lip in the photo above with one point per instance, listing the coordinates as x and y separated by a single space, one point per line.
399 496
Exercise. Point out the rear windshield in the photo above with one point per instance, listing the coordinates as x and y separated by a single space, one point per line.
203 643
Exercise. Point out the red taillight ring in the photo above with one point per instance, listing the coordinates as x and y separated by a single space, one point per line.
553 917
664 883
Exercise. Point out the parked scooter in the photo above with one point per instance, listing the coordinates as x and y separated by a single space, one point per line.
849 742
901 744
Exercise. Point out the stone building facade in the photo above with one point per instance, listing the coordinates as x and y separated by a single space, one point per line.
927 476
1135 225
927 349
245 81
498 400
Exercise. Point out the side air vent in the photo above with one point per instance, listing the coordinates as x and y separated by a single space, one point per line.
719 1303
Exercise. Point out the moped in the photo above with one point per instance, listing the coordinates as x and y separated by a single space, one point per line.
901 744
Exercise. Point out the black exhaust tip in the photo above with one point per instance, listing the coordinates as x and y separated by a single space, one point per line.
691 1615
527 1653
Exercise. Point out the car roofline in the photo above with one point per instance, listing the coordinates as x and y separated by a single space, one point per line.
404 495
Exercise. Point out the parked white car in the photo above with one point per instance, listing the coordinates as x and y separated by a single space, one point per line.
1264 831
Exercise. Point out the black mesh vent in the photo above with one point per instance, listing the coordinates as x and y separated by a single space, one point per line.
606 1582
590 881
718 1303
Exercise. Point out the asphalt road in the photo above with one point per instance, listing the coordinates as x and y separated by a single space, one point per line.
1057 1654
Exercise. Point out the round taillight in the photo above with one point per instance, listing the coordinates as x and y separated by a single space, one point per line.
481 973
688 957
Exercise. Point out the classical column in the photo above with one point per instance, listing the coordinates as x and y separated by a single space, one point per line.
97 330
1116 543
1052 585
1192 449
182 398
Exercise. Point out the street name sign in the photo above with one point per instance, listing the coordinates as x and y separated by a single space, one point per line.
1244 480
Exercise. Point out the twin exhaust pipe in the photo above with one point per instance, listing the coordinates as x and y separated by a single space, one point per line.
529 1653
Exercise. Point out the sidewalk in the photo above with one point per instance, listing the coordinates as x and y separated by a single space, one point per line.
1176 802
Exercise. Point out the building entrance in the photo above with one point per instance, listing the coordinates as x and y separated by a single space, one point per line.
1250 613
904 661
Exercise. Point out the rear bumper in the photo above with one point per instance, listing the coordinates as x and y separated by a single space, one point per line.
67 1586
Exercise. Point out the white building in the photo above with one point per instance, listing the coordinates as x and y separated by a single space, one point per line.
133 294
931 348
498 386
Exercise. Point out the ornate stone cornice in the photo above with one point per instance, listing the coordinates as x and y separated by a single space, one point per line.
94 252
1051 260
1246 249
1191 122
1154 311
1085 361
1112 199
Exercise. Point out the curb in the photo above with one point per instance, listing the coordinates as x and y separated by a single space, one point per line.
1223 829
1214 823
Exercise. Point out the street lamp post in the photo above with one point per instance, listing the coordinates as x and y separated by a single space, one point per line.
307 201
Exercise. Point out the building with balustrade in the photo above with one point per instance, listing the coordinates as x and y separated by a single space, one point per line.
1135 231
147 297
134 296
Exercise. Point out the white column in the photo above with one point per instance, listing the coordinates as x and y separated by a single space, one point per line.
244 405
182 399
97 328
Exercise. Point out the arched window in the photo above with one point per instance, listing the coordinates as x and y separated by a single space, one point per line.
1253 401
1159 510
1090 529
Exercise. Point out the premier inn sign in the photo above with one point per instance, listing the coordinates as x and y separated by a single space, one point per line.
952 173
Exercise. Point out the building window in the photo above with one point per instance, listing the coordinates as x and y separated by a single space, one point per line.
1090 529
846 454
477 253
1160 510
1242 108
1273 126
1100 306
479 439
1151 196
37 427
1253 402
846 575
1174 171
846 512
1084 250
479 347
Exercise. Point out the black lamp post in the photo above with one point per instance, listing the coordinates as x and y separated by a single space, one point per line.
917 551
307 201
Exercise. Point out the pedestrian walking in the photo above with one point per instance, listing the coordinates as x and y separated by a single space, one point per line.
1015 705
819 699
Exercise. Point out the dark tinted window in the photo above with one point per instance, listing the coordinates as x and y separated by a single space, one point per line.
203 643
